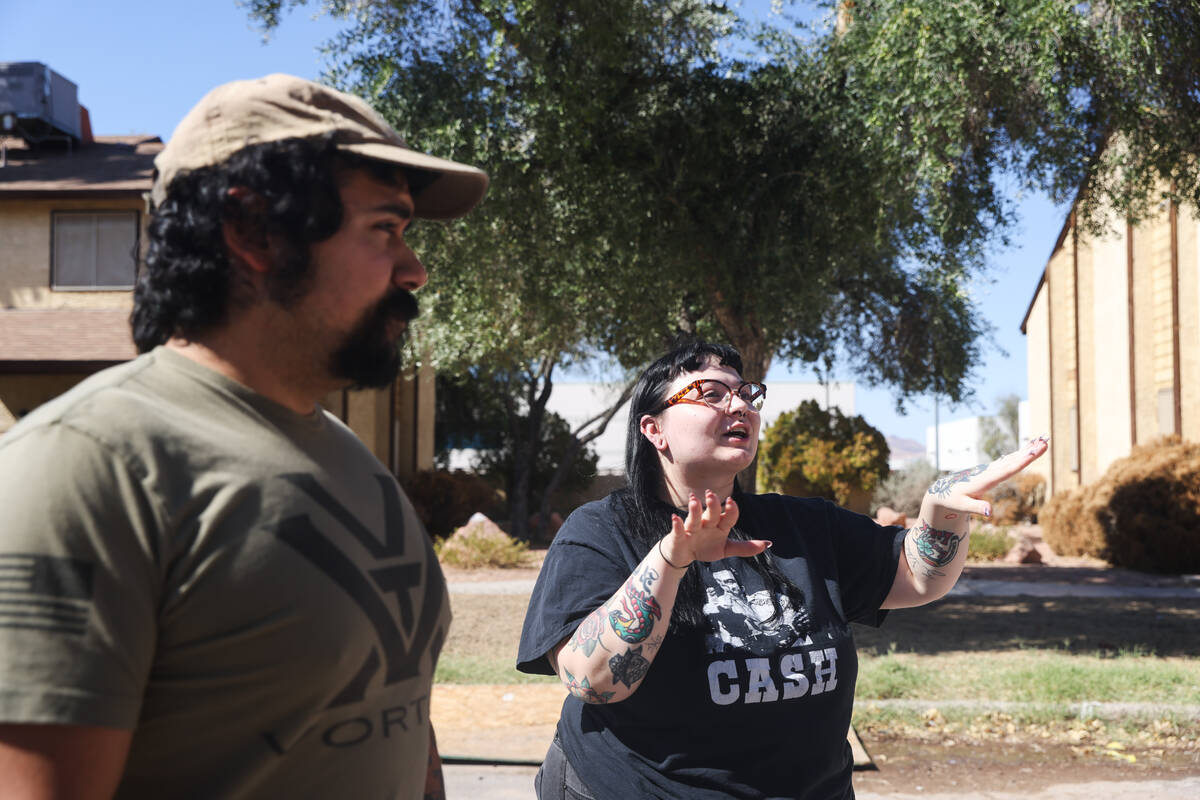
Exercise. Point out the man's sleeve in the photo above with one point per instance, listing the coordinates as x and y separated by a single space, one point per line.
79 581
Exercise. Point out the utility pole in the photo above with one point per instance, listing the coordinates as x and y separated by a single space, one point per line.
937 432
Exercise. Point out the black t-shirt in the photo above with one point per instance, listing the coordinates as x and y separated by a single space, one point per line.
756 704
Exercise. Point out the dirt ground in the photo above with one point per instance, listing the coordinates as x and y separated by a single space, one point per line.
905 765
515 722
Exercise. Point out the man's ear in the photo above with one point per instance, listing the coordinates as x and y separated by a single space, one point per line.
243 230
653 431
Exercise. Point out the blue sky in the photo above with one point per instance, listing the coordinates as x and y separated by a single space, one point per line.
141 64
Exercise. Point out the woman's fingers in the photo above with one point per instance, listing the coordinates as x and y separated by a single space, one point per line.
746 549
1009 465
705 532
974 481
730 515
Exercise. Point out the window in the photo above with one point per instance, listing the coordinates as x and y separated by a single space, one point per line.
1166 411
94 249
1073 422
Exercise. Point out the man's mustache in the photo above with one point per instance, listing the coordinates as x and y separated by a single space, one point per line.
399 304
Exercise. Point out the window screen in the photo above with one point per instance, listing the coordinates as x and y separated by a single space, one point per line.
94 250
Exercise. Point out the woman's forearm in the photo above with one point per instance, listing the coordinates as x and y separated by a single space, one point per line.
936 549
936 544
609 654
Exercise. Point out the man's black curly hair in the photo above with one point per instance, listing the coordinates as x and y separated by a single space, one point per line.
188 284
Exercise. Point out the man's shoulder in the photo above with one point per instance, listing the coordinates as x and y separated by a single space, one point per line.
101 401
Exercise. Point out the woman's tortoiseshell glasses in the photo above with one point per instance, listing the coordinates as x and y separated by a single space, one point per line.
718 394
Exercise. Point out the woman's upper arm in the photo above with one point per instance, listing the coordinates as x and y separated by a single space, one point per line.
903 593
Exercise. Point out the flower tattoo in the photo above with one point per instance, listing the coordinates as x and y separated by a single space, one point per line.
584 691
587 635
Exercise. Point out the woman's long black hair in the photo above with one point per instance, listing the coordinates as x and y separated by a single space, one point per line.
648 516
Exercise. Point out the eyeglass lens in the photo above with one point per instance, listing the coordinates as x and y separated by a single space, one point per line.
716 393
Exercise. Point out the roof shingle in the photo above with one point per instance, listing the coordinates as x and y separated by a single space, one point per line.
109 164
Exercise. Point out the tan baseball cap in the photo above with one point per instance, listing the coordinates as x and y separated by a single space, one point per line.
235 115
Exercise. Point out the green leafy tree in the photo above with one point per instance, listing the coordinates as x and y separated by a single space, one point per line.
646 185
663 166
490 412
819 452
1095 101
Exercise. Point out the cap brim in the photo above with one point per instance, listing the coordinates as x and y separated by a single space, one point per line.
456 190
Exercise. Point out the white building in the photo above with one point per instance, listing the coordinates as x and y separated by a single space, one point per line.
577 402
958 444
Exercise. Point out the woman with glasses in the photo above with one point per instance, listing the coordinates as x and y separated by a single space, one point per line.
703 632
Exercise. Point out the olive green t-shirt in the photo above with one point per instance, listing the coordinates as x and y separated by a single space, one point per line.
244 587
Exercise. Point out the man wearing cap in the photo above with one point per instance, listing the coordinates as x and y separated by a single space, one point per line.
209 587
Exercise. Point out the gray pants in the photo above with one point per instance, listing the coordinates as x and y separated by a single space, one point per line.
556 780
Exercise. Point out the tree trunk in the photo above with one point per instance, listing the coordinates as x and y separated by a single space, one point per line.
756 360
601 421
527 439
747 335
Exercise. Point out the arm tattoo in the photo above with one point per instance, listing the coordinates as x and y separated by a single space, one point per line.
629 668
584 691
653 643
932 549
634 620
942 486
587 635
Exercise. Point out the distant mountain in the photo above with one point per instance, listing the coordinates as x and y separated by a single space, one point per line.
903 450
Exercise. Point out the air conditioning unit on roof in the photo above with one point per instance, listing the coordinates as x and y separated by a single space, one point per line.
36 103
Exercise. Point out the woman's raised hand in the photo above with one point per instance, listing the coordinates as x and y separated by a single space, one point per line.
704 535
961 492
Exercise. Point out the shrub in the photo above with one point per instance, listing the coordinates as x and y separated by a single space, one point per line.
1018 499
904 489
499 464
812 451
445 500
480 544
989 543
1144 513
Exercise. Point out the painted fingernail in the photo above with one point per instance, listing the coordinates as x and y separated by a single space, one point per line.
987 512
770 544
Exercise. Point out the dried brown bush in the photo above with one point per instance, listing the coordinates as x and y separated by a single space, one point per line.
1018 500
1143 513
445 500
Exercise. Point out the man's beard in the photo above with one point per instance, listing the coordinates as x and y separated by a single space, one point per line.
369 357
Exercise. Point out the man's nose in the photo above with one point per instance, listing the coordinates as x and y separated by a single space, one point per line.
409 273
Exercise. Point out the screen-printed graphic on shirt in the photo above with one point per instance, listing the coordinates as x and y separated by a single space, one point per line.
750 622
